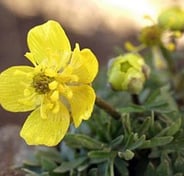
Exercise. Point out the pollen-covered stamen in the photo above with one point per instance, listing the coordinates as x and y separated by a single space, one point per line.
41 83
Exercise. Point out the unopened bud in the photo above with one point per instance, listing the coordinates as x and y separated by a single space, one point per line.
151 35
172 18
128 73
127 154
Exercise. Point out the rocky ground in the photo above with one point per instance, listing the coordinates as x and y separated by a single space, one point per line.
11 172
13 151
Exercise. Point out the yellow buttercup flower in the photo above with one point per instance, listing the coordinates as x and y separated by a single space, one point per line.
58 87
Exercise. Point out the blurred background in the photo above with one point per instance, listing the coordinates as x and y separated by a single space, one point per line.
102 25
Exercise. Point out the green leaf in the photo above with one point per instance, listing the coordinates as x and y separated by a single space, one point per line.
83 166
121 166
117 141
132 141
167 96
137 143
150 170
153 96
47 164
31 162
128 141
179 174
103 169
164 169
161 101
101 155
67 166
81 140
93 172
174 128
132 108
49 153
179 163
157 141
176 145
30 172
126 124
156 104
160 106
145 126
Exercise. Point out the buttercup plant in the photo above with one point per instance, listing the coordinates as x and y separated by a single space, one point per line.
136 127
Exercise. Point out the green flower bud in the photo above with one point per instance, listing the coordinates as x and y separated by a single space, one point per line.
128 73
151 35
172 18
127 154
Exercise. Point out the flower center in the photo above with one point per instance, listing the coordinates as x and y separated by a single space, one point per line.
41 83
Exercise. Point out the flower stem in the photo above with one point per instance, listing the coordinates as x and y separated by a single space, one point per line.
107 108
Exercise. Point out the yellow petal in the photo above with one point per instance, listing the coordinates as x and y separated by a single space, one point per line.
82 103
49 131
15 89
84 64
48 43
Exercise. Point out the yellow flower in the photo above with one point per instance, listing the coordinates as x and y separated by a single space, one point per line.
58 87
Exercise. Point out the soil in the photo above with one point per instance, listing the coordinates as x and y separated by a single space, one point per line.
13 151
12 172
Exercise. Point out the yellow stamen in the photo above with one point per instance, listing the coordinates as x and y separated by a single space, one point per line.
66 91
53 85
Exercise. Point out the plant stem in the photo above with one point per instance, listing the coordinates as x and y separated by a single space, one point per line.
107 108
111 168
